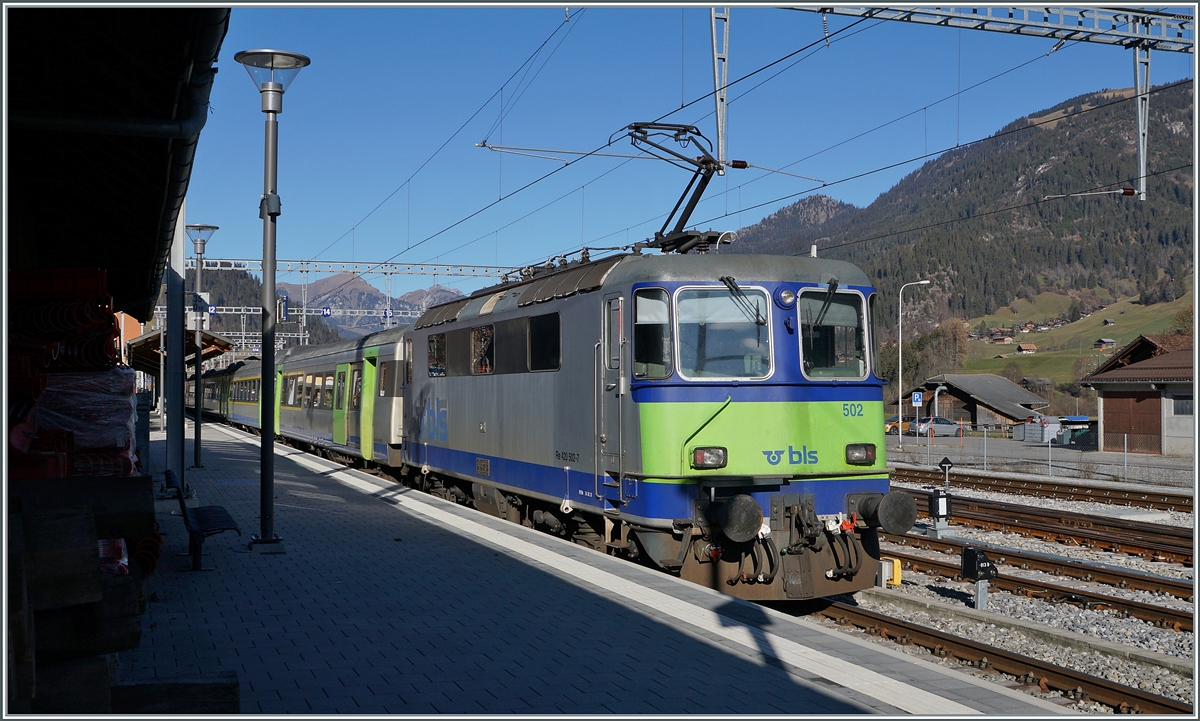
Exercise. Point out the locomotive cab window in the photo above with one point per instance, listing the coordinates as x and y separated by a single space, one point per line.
651 334
832 334
612 333
872 344
723 334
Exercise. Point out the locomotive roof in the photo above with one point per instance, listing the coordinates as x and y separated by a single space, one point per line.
623 270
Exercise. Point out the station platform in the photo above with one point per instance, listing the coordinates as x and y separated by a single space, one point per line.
388 600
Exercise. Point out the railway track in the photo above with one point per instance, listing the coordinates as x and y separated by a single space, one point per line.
1152 541
1059 565
1032 671
1161 616
1067 489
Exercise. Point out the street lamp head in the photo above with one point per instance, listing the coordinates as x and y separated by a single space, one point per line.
922 282
272 71
200 234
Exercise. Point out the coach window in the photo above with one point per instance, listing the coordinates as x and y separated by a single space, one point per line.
723 333
308 391
437 355
545 344
651 334
318 388
482 353
289 390
383 378
327 400
832 334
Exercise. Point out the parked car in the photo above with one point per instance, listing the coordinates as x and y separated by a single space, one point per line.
893 426
941 427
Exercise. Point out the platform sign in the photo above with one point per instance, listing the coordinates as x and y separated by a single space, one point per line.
212 310
387 312
917 399
326 312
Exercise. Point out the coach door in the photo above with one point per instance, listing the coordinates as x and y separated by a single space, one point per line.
610 392
341 381
354 406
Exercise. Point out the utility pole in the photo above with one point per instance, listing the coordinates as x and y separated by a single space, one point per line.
720 42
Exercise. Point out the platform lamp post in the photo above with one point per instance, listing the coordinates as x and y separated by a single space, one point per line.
900 363
272 71
199 235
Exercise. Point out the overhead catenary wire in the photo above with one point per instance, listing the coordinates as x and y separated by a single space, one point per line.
962 146
565 165
1031 125
455 134
924 108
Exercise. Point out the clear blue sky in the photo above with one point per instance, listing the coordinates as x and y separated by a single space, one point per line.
388 86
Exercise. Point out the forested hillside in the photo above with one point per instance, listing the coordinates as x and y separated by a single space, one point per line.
977 223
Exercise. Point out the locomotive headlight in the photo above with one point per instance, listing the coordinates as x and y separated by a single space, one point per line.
785 297
860 454
711 457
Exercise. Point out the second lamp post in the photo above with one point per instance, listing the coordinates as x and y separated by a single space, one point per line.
199 235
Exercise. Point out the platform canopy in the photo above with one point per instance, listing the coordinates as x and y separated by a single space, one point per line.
144 353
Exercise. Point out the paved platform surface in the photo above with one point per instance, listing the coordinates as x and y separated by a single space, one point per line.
391 601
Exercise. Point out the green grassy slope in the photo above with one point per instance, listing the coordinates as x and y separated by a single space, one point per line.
1058 349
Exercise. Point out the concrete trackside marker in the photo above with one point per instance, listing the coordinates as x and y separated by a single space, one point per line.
890 691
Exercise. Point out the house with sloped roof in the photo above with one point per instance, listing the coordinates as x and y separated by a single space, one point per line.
980 400
1145 397
1104 344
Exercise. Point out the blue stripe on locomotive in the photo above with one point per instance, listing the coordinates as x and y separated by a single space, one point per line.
646 500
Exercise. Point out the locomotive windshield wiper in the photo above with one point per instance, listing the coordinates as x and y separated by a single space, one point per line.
742 302
833 286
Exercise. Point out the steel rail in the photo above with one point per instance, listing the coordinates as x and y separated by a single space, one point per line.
1149 540
1075 684
1066 489
1160 616
1059 566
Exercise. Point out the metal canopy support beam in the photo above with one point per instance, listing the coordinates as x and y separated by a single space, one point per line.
336 266
1125 28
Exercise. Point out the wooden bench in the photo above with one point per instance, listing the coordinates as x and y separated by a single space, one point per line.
200 521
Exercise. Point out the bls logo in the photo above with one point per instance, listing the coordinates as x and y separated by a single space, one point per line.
435 421
796 457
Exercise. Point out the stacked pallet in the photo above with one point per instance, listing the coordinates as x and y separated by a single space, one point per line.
75 505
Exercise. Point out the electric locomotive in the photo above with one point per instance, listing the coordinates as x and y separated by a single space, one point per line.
716 415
